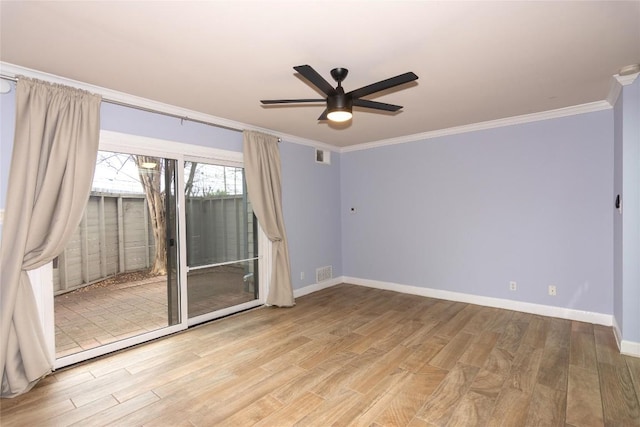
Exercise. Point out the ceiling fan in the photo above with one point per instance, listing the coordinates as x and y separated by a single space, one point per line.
339 103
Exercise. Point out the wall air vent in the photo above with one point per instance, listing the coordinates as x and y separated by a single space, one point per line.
323 156
323 274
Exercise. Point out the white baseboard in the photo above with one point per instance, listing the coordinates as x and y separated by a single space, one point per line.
542 310
317 287
630 348
617 332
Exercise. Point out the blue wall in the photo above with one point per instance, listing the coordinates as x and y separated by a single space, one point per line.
617 216
311 203
136 122
7 123
469 213
627 236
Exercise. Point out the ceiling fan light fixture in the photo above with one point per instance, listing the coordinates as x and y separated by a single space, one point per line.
339 115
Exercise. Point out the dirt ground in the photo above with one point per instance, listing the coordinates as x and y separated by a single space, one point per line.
118 279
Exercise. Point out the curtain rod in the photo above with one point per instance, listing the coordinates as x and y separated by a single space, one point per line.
150 110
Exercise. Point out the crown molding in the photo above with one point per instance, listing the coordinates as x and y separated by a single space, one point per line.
615 88
626 80
617 82
13 71
491 124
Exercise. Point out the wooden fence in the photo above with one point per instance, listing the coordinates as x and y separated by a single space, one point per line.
115 236
215 231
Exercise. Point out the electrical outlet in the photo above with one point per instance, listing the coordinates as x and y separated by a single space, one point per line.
552 290
302 275
513 286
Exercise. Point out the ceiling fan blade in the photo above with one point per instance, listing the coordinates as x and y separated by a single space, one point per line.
375 105
315 78
382 85
289 101
323 116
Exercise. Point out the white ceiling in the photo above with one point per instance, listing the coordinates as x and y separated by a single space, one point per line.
476 61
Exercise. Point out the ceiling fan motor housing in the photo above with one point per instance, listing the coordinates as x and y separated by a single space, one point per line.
339 101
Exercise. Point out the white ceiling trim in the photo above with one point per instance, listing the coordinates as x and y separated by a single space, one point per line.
615 87
509 121
617 82
13 71
626 80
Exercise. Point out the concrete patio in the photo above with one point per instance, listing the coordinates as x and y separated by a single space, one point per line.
102 314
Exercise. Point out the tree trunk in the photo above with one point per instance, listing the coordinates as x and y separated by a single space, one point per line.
151 177
188 186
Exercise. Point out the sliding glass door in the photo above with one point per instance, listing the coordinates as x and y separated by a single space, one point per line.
166 241
221 241
117 279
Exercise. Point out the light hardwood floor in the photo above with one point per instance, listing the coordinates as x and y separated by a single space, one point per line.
350 355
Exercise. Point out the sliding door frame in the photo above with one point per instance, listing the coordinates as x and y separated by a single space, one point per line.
232 159
133 144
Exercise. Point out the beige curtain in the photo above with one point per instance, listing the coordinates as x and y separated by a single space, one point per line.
262 172
54 152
